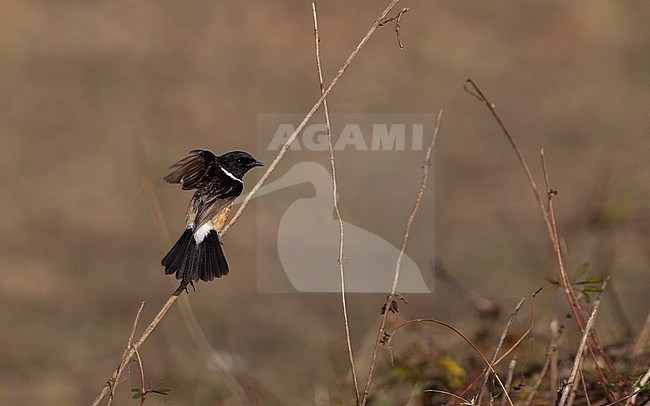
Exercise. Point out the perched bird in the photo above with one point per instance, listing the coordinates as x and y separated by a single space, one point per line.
197 255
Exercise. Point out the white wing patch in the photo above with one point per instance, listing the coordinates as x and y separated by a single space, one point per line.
230 174
202 232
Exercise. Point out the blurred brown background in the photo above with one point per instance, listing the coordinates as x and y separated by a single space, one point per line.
95 91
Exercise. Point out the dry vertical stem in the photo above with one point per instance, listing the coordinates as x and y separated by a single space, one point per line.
407 231
141 368
574 304
640 385
501 340
336 209
511 373
555 337
549 221
551 362
147 332
570 383
478 94
584 388
126 350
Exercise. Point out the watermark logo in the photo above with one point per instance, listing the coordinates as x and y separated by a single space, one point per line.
383 137
379 159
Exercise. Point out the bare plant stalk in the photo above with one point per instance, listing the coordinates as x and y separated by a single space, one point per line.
584 388
147 332
552 357
511 372
491 365
272 166
337 212
398 265
549 221
550 362
113 387
478 94
569 387
512 317
568 287
141 368
640 385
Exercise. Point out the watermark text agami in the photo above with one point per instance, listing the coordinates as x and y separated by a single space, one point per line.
353 136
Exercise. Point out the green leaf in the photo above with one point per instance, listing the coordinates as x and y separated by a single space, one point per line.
161 391
592 289
590 281
582 269
136 390
138 395
552 281
555 287
586 297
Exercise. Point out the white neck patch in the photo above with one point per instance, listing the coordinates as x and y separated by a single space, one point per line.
230 174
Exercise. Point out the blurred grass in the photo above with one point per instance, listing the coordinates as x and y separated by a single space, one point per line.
84 82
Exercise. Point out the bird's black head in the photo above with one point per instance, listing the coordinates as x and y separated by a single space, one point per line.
238 163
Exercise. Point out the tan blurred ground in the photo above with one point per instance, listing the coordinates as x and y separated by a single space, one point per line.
92 91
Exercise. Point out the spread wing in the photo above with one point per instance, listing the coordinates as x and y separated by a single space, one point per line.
195 170
208 202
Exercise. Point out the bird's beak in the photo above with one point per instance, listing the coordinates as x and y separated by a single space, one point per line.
256 163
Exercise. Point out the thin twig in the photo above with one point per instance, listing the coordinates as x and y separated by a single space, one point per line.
309 115
336 208
147 332
141 368
511 373
461 335
574 304
268 172
478 94
398 17
550 362
641 385
501 340
405 238
467 402
549 221
584 387
114 384
568 387
512 347
552 359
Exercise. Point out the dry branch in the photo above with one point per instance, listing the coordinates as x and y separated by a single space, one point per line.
501 340
569 386
337 212
405 238
551 228
113 387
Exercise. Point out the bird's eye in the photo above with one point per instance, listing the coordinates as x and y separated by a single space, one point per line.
238 161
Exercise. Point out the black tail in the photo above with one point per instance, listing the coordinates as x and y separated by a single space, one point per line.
191 262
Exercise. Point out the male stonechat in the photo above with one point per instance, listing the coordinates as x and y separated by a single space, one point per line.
197 255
